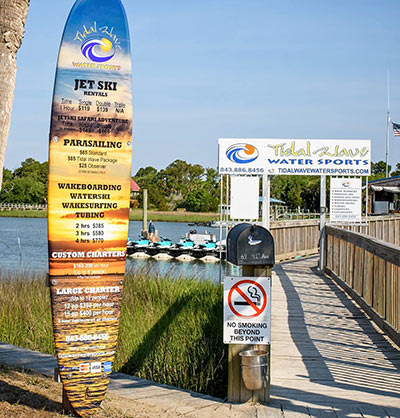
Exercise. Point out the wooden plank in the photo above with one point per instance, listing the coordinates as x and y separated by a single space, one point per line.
391 332
350 264
322 412
378 299
362 270
358 270
374 412
397 297
392 412
368 276
273 411
295 411
342 256
334 252
237 392
348 412
389 293
332 241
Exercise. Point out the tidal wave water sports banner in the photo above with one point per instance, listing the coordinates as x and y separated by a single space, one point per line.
88 200
333 157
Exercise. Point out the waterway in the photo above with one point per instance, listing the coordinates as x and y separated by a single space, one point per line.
23 248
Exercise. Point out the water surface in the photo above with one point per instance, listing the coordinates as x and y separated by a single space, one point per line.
23 247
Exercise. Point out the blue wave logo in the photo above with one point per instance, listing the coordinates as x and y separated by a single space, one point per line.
242 153
98 50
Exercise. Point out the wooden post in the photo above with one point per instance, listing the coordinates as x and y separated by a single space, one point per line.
144 224
237 391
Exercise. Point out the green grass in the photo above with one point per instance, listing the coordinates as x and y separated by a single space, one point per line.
23 214
158 216
170 331
135 215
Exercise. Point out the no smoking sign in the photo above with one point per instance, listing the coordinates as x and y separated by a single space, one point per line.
247 310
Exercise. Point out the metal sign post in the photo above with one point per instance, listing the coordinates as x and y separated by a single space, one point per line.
266 194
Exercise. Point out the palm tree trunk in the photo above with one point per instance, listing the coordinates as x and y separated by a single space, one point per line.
13 15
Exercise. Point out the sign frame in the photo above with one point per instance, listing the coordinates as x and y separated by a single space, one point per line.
247 310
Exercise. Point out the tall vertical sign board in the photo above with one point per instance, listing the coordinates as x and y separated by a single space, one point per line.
346 200
88 199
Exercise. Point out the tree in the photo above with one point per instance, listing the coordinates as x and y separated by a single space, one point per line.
378 170
27 184
180 184
13 15
146 178
178 180
297 191
397 171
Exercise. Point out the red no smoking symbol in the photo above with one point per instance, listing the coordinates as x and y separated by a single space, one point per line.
248 290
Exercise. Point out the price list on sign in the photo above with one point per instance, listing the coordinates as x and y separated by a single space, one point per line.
345 200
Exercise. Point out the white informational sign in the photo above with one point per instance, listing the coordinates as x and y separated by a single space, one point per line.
345 200
245 197
342 157
247 310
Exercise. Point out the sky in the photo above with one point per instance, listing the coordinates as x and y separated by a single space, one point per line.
203 70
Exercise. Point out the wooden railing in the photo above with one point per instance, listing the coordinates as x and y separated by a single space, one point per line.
21 206
301 237
368 269
295 238
385 228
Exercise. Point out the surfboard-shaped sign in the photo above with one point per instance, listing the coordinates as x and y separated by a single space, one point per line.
89 192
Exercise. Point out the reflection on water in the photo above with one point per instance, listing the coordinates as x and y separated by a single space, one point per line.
31 254
173 268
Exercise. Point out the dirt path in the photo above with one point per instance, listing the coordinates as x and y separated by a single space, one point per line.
30 395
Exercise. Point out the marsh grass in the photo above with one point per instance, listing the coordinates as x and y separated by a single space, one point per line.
25 314
170 330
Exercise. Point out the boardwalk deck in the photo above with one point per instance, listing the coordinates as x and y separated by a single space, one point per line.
326 357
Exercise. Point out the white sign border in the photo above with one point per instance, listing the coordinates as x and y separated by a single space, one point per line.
229 282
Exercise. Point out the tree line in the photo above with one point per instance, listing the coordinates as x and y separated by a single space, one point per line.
179 185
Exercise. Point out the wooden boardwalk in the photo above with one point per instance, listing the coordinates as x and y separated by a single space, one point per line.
327 358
